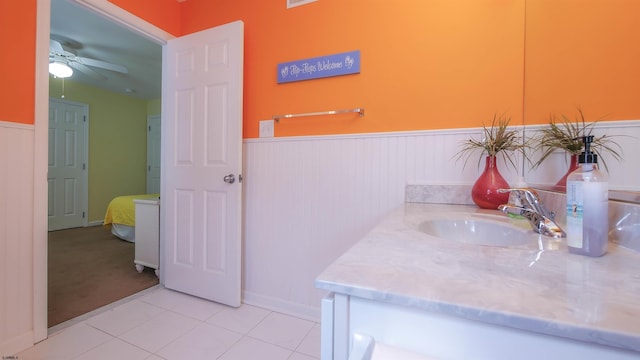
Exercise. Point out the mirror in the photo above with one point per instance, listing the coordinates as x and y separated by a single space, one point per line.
580 54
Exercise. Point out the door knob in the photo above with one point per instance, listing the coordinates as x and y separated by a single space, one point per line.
230 179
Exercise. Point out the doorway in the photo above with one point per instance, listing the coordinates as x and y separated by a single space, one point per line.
84 6
224 110
117 15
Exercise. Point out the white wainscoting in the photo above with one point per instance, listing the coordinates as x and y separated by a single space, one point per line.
308 199
16 237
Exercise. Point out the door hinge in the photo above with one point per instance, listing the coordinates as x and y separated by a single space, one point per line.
83 214
149 128
84 118
84 166
149 168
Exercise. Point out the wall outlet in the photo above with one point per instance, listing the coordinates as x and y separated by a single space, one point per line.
266 128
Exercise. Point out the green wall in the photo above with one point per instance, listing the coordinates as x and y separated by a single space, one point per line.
153 107
117 141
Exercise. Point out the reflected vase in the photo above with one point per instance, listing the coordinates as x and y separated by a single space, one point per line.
562 183
485 190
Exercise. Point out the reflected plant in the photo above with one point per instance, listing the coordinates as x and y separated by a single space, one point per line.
566 135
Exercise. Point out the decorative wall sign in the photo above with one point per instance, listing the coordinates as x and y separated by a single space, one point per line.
292 3
320 67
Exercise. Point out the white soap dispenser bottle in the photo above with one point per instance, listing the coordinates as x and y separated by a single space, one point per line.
587 206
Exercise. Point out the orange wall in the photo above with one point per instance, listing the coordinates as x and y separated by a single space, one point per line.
164 14
17 60
438 63
583 53
424 64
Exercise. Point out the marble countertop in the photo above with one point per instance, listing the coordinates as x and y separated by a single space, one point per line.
538 287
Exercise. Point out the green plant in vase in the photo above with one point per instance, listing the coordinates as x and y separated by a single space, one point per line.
567 135
497 139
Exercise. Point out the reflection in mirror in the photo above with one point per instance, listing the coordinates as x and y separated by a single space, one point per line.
623 174
577 53
584 61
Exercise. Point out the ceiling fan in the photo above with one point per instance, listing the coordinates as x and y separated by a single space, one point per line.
67 57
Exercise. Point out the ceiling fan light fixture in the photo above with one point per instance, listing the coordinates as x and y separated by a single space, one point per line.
60 70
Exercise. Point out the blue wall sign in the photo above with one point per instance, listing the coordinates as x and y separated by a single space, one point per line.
320 67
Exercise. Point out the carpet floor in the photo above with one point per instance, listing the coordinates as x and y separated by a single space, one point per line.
90 268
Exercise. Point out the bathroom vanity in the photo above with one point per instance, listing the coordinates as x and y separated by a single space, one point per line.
452 297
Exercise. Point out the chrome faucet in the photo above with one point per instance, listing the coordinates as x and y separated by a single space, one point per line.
530 207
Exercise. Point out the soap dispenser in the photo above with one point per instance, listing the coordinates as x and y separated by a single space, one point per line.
587 205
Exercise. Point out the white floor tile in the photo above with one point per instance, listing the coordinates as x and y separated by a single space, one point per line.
114 349
282 330
159 331
197 308
164 298
184 304
310 345
125 317
204 342
241 319
167 325
66 344
248 348
298 356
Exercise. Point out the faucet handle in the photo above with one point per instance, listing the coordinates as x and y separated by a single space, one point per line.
526 197
541 219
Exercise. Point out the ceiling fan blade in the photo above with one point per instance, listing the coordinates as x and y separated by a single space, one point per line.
86 70
56 46
56 57
102 64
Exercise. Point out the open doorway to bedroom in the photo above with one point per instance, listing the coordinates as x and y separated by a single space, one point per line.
89 266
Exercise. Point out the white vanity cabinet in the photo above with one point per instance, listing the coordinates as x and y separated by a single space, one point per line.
432 335
147 236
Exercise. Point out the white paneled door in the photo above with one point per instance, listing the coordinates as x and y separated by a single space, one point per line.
153 154
67 174
201 163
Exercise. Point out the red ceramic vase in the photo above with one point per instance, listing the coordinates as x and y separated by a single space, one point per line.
485 191
562 183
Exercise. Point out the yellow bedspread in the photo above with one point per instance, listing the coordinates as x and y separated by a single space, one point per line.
121 209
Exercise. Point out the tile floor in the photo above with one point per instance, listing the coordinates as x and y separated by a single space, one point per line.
163 324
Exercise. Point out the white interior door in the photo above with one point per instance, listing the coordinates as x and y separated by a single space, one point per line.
67 174
202 146
153 154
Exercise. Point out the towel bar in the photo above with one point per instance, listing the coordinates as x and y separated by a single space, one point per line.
330 112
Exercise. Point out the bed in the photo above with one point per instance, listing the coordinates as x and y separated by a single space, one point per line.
120 215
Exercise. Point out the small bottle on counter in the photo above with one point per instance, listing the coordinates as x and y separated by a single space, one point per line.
587 206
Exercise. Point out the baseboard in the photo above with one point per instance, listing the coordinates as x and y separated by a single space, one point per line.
16 344
278 305
95 223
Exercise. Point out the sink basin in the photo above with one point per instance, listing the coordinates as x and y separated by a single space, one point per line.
478 230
